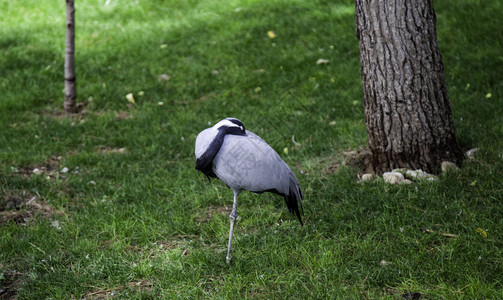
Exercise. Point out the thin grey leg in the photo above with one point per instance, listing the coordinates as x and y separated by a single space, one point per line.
233 216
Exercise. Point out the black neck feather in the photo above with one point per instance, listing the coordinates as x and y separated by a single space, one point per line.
205 162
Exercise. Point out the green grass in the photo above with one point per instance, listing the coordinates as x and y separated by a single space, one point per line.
142 223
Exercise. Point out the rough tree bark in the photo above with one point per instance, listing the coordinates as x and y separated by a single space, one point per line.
70 105
407 110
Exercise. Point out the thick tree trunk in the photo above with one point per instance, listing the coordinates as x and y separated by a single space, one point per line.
407 110
70 105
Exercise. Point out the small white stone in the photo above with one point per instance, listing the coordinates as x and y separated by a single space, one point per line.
37 171
368 177
448 166
55 224
64 170
419 175
164 77
402 170
384 263
392 177
414 174
471 153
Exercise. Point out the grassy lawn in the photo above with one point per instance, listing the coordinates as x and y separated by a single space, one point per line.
107 203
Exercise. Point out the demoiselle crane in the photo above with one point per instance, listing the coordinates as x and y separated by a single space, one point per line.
243 161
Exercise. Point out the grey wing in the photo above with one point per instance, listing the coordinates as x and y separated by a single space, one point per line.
249 163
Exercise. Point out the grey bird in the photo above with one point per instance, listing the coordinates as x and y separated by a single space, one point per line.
244 161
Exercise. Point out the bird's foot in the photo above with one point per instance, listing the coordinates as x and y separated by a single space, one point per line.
228 259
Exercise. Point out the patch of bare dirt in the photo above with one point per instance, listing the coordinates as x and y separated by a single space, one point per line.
360 159
331 167
142 284
119 115
108 150
48 168
176 241
123 115
22 207
61 114
172 244
207 215
10 284
205 97
81 113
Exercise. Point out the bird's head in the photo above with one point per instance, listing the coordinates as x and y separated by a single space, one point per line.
232 126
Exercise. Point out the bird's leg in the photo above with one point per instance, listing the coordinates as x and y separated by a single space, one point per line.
233 216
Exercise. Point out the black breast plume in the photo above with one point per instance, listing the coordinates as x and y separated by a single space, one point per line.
205 162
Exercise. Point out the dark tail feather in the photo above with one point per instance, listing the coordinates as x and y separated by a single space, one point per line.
292 200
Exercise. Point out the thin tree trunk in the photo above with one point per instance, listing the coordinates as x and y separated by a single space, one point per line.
407 110
70 80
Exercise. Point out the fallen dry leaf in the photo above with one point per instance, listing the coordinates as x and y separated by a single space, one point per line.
482 232
322 61
450 235
130 98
